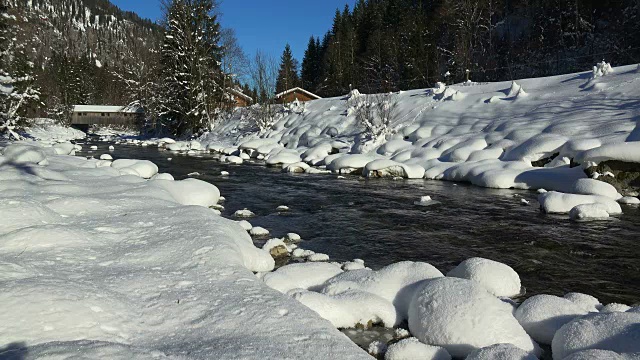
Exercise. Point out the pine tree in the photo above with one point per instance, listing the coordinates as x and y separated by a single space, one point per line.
191 71
288 73
310 66
18 90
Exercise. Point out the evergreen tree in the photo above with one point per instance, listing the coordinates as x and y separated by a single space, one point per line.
288 73
192 77
311 65
18 90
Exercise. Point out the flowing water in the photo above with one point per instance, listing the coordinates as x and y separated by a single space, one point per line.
375 220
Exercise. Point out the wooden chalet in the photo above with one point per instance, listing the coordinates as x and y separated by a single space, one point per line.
294 94
240 99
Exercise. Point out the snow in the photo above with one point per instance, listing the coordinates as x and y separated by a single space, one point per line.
542 315
99 265
396 282
259 231
301 276
585 301
143 168
390 168
462 316
189 191
413 349
23 153
499 352
498 278
594 187
623 151
629 200
589 212
49 130
350 308
245 213
618 332
615 307
601 355
245 225
555 202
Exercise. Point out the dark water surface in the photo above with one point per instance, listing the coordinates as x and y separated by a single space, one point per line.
375 220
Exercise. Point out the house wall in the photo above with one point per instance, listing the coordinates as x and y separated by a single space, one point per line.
291 97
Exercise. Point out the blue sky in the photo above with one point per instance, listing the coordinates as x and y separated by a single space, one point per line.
263 24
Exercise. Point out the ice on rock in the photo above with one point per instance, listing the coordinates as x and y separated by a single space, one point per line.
190 191
501 352
93 147
245 225
144 168
106 157
282 208
350 308
542 315
259 231
377 348
412 349
244 213
556 202
301 253
234 160
462 316
111 148
587 302
273 243
498 278
308 276
292 238
425 201
618 332
396 282
224 173
588 211
298 167
390 168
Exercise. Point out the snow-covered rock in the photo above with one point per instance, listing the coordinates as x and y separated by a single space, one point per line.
501 352
308 276
556 202
588 211
498 278
189 191
462 316
542 315
618 332
585 301
244 213
259 231
396 282
144 168
350 308
412 349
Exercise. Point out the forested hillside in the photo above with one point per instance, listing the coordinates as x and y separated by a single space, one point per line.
80 52
384 45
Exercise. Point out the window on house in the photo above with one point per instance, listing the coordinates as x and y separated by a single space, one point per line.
102 114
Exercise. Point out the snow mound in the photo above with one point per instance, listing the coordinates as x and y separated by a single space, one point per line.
413 349
629 200
396 282
594 187
20 153
498 278
601 355
308 276
587 302
350 308
462 316
615 307
617 332
144 168
190 191
244 213
501 352
259 231
624 151
556 202
390 168
245 225
588 211
543 315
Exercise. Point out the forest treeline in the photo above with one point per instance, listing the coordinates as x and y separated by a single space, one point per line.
388 45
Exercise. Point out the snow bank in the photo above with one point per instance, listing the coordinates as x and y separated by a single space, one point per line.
542 315
144 168
623 151
21 153
618 332
99 265
498 278
412 348
396 282
462 316
555 202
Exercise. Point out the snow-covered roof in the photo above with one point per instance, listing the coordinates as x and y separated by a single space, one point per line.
239 93
106 109
299 89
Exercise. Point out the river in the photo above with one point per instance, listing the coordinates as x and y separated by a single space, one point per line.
375 220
